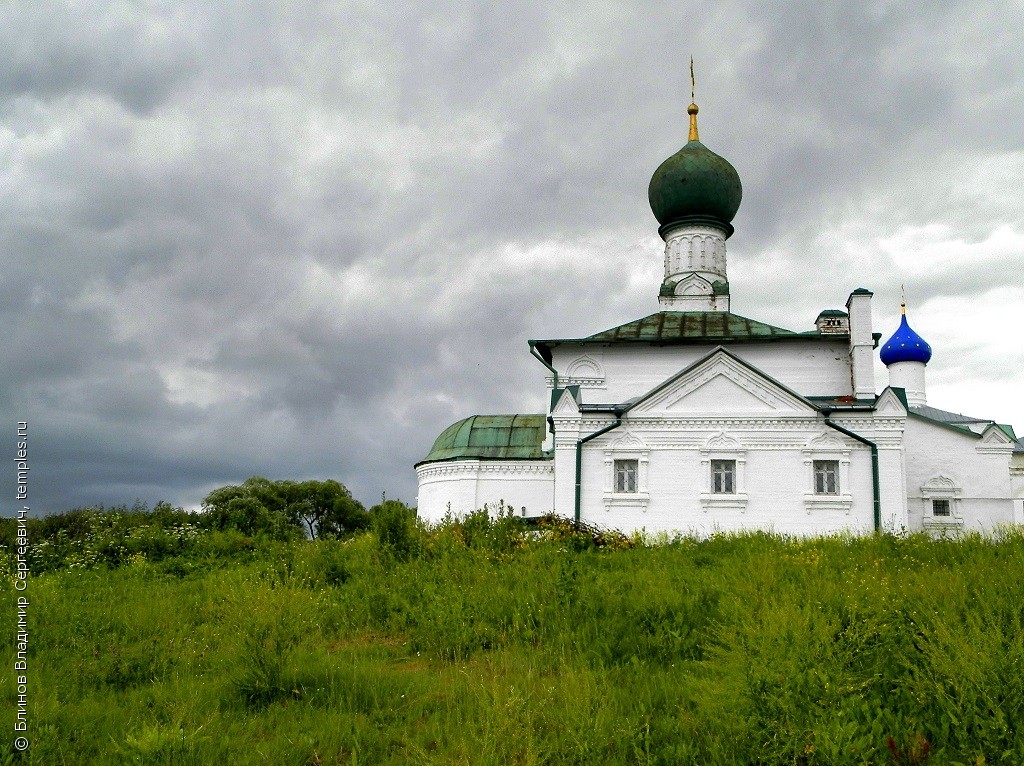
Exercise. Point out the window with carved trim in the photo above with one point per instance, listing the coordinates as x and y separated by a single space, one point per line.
941 498
626 476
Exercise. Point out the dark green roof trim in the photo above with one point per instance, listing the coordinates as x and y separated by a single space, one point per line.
692 328
541 347
901 394
842 402
491 437
1008 430
668 288
833 313
696 220
862 291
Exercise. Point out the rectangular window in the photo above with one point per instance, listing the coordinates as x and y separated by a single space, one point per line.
826 477
723 477
625 475
940 507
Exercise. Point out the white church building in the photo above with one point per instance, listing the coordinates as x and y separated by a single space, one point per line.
695 419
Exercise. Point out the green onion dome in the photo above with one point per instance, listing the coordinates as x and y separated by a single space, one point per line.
695 185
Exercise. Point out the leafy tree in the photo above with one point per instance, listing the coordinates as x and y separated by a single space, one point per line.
326 508
259 505
255 506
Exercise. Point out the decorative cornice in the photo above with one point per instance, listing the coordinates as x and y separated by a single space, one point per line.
581 382
473 468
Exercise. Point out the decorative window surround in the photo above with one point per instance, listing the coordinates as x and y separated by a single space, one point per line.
627 448
826 447
941 488
585 372
722 447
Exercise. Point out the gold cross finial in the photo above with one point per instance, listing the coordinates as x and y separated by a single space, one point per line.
692 108
903 300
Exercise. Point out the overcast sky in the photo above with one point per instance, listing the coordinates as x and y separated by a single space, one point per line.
297 240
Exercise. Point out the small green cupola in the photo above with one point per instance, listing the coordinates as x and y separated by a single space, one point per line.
695 186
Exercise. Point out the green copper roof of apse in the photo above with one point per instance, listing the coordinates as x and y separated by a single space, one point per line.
498 437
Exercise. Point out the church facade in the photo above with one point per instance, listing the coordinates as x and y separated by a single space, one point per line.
695 419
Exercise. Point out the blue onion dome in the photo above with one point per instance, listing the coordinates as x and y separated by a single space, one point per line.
905 345
695 185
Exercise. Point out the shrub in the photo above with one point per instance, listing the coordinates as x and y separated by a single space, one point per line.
398 533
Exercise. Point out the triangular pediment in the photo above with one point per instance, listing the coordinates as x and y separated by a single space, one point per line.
721 384
889 404
565 404
995 435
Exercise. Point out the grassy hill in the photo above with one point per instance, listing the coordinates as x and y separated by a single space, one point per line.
475 643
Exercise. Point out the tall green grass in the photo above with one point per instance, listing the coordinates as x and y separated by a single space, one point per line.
478 643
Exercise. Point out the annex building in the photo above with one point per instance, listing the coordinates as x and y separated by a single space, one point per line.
697 419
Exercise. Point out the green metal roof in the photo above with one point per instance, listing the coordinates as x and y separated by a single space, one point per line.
945 416
686 327
497 437
962 423
1008 430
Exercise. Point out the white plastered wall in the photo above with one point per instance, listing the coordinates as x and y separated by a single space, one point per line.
944 463
774 491
809 368
1017 486
463 486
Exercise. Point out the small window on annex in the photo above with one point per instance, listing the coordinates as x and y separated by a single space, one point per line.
723 477
826 477
625 476
940 507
